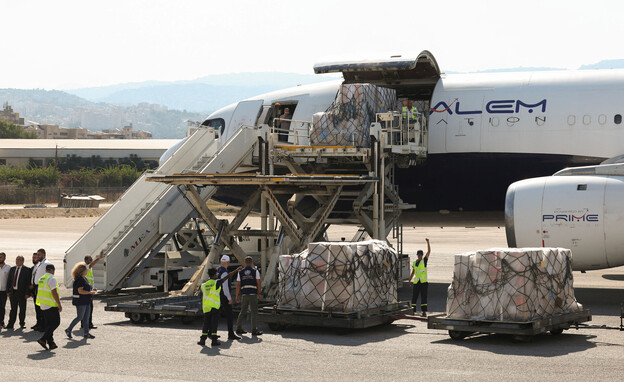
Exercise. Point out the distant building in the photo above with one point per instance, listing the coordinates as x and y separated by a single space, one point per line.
57 132
126 133
20 152
9 116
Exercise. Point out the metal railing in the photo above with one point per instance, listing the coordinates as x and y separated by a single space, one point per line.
298 130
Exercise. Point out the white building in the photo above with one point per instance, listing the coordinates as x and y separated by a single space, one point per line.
18 152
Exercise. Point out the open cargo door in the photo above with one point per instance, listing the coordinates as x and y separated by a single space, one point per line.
411 77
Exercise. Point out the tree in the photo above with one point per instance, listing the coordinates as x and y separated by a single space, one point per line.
11 131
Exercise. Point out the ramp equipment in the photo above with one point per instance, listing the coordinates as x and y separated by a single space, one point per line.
149 213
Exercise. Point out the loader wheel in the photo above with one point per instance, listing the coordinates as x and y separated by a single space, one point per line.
137 318
556 332
457 335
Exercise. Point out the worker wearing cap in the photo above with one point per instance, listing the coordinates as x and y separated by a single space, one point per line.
49 302
421 285
409 112
211 302
226 296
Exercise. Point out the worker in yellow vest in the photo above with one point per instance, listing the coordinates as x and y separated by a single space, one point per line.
409 112
50 303
90 264
421 285
211 302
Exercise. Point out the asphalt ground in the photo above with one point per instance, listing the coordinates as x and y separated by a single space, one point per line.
405 350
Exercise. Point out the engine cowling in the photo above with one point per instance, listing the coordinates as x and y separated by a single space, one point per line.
582 213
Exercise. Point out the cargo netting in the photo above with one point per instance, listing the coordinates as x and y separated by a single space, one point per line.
512 284
347 121
342 276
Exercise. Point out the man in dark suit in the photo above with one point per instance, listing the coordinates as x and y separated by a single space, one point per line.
18 291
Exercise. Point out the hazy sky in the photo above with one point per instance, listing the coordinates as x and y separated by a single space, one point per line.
66 44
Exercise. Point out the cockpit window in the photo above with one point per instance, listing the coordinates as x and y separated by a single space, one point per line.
217 123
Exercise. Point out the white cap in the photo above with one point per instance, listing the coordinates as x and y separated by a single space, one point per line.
225 258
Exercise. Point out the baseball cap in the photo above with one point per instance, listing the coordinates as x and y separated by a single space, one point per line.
420 252
49 267
225 258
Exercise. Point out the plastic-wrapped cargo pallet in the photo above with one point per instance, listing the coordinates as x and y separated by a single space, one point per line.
340 276
515 284
347 121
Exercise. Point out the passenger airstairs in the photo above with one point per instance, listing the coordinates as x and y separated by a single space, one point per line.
149 213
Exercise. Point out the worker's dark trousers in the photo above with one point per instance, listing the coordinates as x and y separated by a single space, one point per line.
227 309
211 322
422 289
38 314
3 298
51 320
90 315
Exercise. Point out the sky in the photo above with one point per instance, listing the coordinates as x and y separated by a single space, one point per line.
65 44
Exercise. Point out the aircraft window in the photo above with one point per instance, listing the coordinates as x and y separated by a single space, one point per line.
617 119
217 123
581 187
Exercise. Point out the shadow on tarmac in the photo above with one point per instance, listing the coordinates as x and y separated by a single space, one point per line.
41 354
615 277
540 346
344 337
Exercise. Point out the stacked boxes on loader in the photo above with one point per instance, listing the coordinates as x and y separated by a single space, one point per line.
516 284
347 121
343 276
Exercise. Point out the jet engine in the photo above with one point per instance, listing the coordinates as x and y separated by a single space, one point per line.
578 208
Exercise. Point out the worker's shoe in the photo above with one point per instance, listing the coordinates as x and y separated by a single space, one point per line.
42 342
233 336
240 331
215 341
68 333
256 333
202 341
89 336
53 346
424 314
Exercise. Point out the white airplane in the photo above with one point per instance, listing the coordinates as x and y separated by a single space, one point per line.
487 131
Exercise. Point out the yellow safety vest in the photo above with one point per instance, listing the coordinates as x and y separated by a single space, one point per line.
211 297
89 276
44 293
414 112
420 271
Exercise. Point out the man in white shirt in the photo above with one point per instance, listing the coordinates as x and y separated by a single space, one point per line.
38 271
4 281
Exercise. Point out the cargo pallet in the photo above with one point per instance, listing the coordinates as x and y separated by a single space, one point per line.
461 328
280 318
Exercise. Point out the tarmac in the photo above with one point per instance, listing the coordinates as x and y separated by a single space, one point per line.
167 349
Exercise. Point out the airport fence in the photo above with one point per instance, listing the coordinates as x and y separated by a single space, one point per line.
12 194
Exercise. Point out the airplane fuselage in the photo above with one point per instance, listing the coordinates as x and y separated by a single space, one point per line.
485 130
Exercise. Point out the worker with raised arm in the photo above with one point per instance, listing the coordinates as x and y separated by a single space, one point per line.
90 264
211 302
421 285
